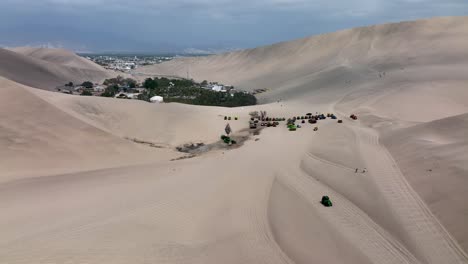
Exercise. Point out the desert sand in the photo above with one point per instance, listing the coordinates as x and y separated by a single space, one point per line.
75 186
48 68
58 56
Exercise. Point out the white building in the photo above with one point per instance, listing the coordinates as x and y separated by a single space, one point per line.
157 99
127 95
217 88
99 88
133 95
78 88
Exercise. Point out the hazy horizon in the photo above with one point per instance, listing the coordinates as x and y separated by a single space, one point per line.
195 26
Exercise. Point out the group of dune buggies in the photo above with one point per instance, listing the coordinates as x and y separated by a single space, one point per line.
291 122
229 118
265 122
312 119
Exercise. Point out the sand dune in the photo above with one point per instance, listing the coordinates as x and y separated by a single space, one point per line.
433 158
165 124
74 189
319 67
38 139
49 70
58 56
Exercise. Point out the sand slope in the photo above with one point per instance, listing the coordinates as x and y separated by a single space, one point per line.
38 139
349 58
49 71
433 157
88 195
58 56
164 124
394 76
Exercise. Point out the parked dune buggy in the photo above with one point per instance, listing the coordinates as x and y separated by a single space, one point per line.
326 201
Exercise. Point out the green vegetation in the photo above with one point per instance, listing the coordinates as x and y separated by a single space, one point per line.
227 140
121 82
178 90
189 92
150 83
111 91
117 84
87 85
86 93
131 83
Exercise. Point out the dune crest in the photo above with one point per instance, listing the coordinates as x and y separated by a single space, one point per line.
58 56
48 68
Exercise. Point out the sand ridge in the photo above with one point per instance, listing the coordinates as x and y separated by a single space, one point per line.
49 69
58 56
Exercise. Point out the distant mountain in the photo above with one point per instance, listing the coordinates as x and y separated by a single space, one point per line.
195 51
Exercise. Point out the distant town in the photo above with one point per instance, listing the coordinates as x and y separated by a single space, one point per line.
126 62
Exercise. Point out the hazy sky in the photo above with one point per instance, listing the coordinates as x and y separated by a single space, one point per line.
176 25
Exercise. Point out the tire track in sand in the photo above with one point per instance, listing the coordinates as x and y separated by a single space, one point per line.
421 231
350 222
269 251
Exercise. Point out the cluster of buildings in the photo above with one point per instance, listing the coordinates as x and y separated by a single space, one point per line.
79 89
98 89
126 63
154 99
220 88
126 92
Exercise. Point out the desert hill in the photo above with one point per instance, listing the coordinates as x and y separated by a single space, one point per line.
48 69
318 67
38 138
58 56
398 77
433 158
